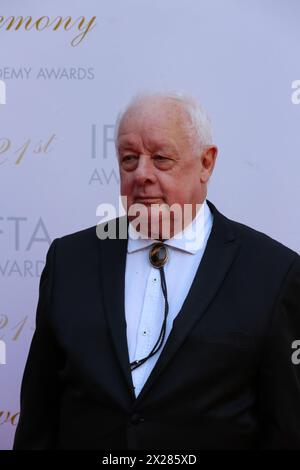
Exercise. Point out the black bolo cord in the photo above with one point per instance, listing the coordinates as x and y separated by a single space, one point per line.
158 257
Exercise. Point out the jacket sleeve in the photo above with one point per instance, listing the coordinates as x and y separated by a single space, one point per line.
279 385
39 414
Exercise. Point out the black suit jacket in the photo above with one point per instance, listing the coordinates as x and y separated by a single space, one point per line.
224 380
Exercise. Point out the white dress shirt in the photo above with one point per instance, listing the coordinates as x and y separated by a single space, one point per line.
144 300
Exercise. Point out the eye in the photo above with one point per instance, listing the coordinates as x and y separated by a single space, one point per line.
129 162
127 158
162 162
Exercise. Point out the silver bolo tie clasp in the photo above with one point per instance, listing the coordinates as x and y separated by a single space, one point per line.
158 255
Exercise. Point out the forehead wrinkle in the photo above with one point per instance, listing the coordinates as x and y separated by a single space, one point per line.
158 122
149 139
127 140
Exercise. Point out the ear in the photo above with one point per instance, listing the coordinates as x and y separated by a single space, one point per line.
208 160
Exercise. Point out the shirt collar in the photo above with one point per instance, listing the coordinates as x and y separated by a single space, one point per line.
190 240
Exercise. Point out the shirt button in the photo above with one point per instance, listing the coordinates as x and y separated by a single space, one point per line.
136 419
144 333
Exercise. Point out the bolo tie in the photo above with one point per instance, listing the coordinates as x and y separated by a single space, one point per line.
158 256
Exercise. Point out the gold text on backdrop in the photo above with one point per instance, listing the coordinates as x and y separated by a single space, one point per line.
45 22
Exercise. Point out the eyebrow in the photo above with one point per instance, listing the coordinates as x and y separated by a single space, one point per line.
168 147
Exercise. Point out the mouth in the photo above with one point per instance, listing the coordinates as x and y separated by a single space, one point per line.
148 200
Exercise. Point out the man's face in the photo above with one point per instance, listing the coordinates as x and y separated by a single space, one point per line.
158 160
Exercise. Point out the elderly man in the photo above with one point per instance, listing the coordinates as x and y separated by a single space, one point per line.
181 335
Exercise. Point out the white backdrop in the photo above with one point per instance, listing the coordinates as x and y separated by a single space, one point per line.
57 162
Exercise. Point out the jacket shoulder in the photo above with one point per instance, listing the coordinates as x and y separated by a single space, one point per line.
261 243
251 236
262 238
90 234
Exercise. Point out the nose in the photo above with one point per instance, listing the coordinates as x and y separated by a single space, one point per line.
144 172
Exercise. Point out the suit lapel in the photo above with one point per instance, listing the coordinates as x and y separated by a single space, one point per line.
220 252
113 263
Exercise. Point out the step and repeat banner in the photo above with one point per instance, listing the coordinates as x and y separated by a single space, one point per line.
67 68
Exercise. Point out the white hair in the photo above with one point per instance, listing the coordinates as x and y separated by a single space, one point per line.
200 123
